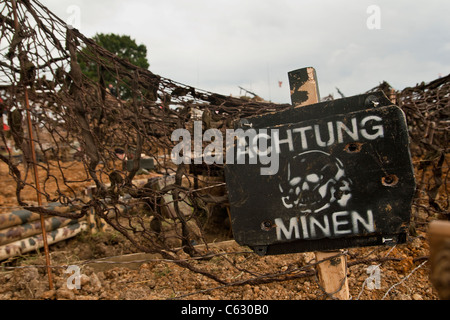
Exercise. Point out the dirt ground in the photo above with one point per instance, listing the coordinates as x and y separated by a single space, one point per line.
403 274
406 278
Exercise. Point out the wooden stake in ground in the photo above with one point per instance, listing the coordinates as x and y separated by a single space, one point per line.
332 271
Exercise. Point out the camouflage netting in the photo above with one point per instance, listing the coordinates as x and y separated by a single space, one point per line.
427 110
76 119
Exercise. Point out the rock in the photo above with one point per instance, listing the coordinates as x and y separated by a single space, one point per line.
362 278
416 243
94 284
82 297
138 293
308 257
104 295
26 274
48 295
64 293
405 265
402 296
84 280
6 296
100 275
311 296
417 296
37 287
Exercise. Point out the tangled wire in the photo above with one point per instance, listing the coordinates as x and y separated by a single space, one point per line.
427 111
75 117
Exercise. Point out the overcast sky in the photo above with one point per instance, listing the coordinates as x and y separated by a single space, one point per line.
219 45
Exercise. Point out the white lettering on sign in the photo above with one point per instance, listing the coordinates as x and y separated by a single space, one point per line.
329 225
265 144
310 137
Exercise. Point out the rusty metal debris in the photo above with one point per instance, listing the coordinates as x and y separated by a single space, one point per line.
77 119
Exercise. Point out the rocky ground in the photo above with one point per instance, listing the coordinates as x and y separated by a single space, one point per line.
403 270
404 277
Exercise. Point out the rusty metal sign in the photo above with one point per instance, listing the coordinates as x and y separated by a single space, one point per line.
326 176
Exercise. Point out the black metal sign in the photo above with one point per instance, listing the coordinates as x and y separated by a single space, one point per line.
326 176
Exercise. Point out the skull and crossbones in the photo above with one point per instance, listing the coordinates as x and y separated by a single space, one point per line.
315 180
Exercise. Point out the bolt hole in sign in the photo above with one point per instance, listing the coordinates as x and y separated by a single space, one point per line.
326 176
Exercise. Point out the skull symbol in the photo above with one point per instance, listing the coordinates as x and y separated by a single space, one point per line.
315 180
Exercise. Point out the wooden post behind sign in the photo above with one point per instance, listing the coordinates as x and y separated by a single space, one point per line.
33 155
333 270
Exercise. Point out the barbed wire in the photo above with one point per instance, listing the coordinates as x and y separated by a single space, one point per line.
403 280
108 260
372 273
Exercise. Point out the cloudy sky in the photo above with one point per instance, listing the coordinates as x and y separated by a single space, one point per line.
221 45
